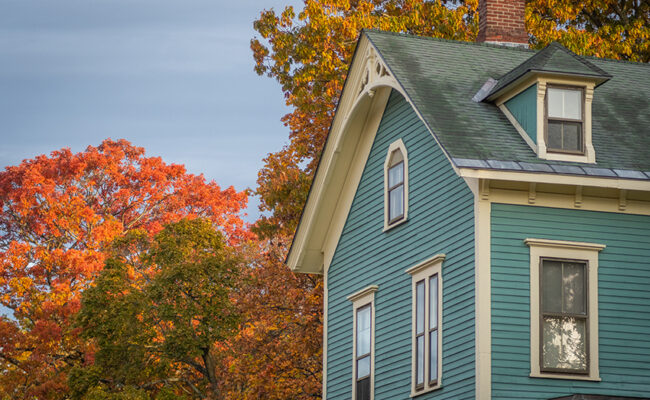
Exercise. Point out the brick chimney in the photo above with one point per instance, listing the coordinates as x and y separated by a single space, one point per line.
502 22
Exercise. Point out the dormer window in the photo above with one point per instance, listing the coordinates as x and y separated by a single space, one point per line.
548 99
395 185
565 120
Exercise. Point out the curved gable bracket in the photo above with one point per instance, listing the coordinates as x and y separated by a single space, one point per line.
352 133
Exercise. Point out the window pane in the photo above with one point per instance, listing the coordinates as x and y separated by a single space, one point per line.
573 282
363 367
363 389
555 103
419 364
396 174
433 302
564 343
572 103
363 331
571 133
433 355
396 202
564 103
554 135
551 286
419 307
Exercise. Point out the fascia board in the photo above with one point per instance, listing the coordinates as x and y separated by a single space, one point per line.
540 177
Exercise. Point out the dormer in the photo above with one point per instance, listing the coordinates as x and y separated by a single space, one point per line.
548 100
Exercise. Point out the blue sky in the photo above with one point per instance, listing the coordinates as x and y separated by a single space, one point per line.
173 76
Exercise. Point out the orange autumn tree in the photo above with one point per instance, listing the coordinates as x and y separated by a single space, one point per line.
308 53
277 353
57 216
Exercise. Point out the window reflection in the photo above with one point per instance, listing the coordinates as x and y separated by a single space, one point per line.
564 316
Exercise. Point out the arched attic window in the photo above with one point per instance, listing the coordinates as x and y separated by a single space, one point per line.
395 185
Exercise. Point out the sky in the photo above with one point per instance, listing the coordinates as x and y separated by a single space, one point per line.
173 76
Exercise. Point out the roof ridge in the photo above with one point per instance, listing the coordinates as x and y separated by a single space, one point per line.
480 44
579 58
498 46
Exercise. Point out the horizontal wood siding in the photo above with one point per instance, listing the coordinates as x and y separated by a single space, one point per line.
524 108
440 220
624 300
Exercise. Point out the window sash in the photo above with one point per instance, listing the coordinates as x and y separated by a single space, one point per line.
398 213
565 95
582 316
395 180
395 183
432 336
358 338
420 324
564 135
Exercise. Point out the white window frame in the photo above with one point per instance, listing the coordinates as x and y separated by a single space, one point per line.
397 145
361 299
580 251
422 272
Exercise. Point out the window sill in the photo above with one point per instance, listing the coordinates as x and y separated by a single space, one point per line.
423 391
394 224
565 376
569 157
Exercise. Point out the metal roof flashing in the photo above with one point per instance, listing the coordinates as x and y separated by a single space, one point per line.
560 169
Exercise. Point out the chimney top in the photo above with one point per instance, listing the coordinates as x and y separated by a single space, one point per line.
502 22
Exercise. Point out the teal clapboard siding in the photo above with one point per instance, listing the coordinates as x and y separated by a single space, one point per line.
440 220
524 108
624 300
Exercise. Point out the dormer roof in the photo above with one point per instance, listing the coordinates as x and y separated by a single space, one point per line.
554 59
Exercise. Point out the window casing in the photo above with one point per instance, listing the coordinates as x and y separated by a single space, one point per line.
395 185
565 120
363 347
426 331
564 309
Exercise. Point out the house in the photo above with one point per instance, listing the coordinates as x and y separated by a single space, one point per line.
481 217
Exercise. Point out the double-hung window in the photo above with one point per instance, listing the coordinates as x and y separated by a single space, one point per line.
427 314
395 185
564 309
564 120
564 317
363 344
362 353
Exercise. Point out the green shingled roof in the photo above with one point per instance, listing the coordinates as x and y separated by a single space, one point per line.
554 58
440 77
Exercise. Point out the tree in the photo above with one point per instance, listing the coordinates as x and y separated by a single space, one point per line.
158 312
618 29
277 353
58 215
